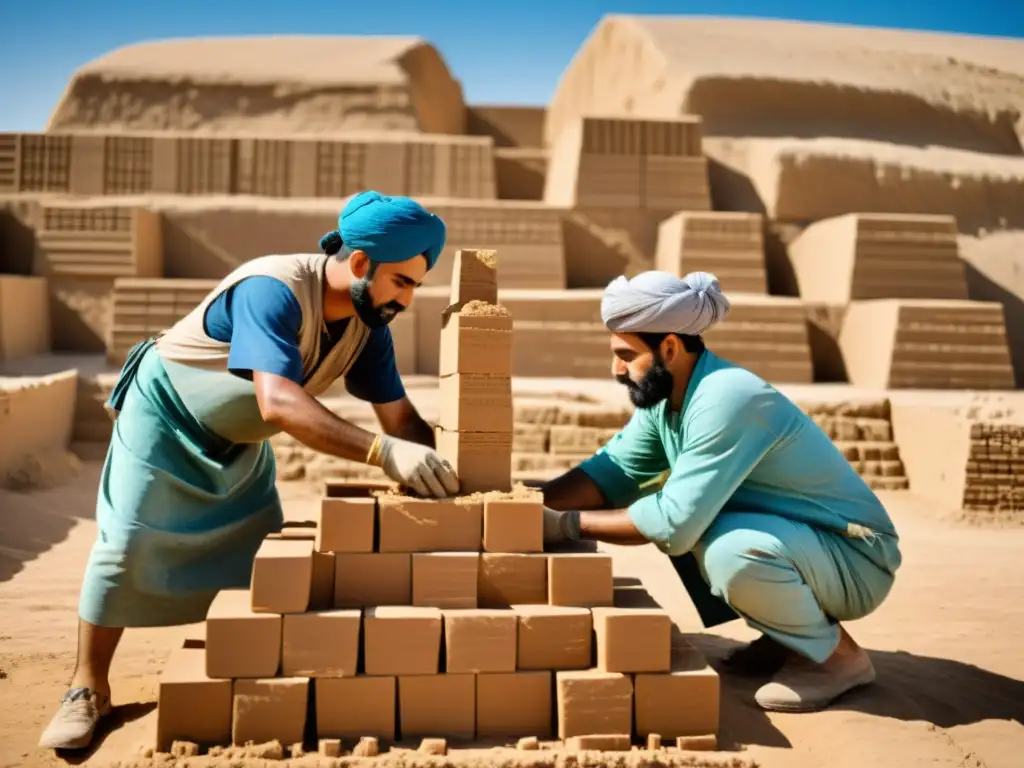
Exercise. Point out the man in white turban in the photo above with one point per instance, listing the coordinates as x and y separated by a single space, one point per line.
762 516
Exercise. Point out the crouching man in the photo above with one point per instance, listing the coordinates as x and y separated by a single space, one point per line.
762 516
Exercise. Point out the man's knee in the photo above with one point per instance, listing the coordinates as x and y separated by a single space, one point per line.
742 573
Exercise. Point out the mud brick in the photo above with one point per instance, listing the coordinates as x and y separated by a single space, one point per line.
508 579
474 276
351 707
633 640
514 525
554 637
592 702
321 644
190 705
321 592
402 640
476 344
510 704
530 438
480 640
707 742
683 702
601 742
367 579
265 710
282 576
240 642
367 746
475 402
437 705
482 460
330 748
346 525
582 579
429 525
445 579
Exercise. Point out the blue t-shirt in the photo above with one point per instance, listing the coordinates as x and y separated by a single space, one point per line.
260 318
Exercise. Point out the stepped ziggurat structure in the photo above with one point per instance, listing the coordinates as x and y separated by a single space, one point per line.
869 238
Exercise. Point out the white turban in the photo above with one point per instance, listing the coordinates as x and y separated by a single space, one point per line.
659 302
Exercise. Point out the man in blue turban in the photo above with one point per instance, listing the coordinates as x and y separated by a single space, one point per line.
762 516
188 490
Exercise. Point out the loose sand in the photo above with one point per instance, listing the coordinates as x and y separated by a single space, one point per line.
946 645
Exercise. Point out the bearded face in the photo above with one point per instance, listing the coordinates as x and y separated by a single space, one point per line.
372 313
652 388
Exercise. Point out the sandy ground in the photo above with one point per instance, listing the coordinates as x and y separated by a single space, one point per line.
947 646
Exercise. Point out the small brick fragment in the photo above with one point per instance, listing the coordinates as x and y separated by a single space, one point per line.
181 749
367 746
528 743
298 749
437 705
240 642
190 705
479 640
445 579
592 702
705 743
354 707
400 640
580 579
321 643
282 576
603 742
433 747
363 580
514 525
554 637
653 741
330 748
346 525
510 703
507 579
633 639
269 710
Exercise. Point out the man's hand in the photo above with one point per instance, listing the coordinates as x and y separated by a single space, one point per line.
560 527
418 467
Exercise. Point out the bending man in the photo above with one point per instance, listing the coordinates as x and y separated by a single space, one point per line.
187 492
762 516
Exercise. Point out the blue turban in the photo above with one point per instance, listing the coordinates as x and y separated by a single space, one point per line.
388 229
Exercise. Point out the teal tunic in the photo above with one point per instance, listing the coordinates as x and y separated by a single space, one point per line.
763 516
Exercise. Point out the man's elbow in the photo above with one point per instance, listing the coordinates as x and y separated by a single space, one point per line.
275 400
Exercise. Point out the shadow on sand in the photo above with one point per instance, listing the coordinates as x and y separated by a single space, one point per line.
34 522
908 687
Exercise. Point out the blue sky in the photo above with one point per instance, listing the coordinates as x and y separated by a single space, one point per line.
503 52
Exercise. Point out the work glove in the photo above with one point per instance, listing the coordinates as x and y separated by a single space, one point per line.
560 527
417 466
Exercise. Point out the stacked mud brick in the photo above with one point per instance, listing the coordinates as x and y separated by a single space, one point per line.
475 425
394 618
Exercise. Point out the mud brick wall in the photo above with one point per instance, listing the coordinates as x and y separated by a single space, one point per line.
994 479
406 619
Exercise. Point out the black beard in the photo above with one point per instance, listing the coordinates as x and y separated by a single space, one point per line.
655 386
372 315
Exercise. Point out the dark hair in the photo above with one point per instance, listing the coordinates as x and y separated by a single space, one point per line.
692 344
331 243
